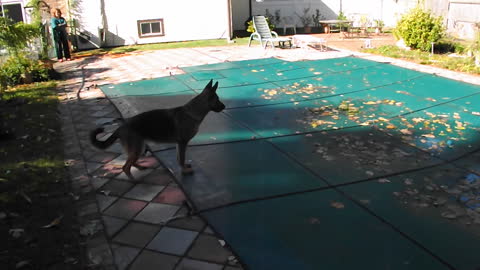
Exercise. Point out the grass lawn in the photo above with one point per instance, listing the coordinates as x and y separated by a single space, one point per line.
33 186
439 60
162 46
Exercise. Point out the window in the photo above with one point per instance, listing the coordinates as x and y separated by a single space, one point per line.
12 11
150 28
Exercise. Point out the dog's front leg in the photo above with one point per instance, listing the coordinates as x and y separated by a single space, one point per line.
181 149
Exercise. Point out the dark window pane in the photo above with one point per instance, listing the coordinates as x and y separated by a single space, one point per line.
14 12
145 28
156 27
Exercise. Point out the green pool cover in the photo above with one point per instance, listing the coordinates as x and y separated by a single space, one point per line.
330 164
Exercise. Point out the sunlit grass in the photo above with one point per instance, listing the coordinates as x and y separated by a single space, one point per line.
163 46
462 64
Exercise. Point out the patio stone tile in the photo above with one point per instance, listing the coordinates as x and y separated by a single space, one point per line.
124 255
136 173
148 161
124 208
206 247
104 201
150 260
93 166
103 157
156 213
171 195
144 192
172 241
103 120
116 187
113 224
107 170
136 234
158 177
189 264
193 223
98 182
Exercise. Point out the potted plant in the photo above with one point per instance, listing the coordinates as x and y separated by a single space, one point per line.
316 19
306 20
379 24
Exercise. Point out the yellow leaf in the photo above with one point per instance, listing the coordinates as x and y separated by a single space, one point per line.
391 126
370 103
272 92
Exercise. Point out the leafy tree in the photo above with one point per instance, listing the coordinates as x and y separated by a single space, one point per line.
419 29
14 37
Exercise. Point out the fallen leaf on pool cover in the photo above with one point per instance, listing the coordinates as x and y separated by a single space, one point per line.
337 205
370 103
405 93
418 120
272 92
391 126
406 132
429 136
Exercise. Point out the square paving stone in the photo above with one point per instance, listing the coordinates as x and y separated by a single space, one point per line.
136 173
98 182
93 166
124 208
156 213
116 187
144 192
193 223
113 224
172 241
124 255
188 264
171 195
102 157
136 234
150 260
104 201
159 176
206 247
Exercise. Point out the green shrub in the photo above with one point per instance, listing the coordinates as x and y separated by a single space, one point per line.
15 70
15 36
419 28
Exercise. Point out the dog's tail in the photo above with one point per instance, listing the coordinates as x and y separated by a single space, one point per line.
102 144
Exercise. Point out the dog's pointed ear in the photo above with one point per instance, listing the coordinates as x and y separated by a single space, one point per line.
209 85
215 86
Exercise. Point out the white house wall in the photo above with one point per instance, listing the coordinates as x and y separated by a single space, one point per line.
387 10
88 23
183 20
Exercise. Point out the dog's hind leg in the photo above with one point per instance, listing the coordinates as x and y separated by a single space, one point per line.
134 150
181 149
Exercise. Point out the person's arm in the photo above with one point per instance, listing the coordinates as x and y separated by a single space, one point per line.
53 23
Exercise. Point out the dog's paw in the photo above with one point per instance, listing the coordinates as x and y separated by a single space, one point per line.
187 169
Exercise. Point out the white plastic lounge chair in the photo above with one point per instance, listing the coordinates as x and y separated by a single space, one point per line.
264 34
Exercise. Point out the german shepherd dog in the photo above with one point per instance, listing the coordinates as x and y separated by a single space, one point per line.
175 125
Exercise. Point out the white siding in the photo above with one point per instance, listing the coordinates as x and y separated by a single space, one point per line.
387 10
183 20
